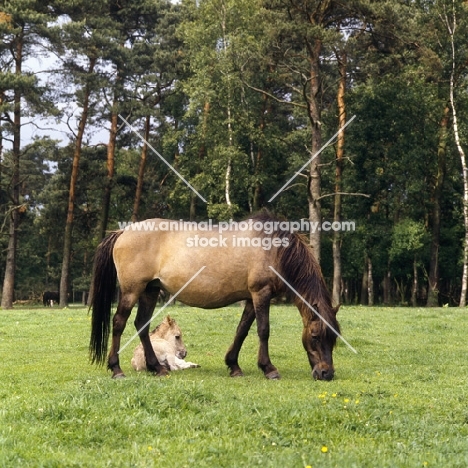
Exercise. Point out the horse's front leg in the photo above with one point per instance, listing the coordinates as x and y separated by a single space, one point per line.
261 302
232 356
118 326
146 305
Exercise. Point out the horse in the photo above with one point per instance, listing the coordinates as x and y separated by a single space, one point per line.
211 269
166 340
49 297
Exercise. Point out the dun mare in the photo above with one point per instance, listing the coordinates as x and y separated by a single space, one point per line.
237 268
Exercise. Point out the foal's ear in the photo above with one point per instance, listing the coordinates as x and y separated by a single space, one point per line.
169 320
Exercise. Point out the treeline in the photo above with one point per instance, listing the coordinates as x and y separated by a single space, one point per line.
237 95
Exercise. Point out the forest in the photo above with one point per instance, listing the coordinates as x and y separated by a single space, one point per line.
236 96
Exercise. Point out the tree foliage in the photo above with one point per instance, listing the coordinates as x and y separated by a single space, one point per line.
236 96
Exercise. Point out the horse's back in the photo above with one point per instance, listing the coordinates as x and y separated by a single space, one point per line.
227 270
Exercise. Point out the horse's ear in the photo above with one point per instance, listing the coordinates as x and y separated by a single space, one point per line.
336 309
169 320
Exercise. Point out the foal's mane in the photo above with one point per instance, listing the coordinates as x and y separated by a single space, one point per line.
298 265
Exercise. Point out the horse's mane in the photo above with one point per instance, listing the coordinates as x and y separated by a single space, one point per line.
298 265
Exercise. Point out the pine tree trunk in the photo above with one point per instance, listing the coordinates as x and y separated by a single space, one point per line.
110 172
337 278
314 112
67 243
8 291
141 171
8 294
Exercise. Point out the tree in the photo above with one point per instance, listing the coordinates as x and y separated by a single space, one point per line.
451 23
301 32
155 65
341 57
443 26
82 40
24 28
223 133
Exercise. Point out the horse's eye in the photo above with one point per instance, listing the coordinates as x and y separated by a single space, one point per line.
177 337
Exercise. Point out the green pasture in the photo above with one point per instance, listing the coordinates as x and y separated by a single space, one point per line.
400 402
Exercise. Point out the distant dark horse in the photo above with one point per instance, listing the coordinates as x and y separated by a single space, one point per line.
50 297
146 261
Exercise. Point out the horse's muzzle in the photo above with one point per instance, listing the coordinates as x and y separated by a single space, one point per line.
323 373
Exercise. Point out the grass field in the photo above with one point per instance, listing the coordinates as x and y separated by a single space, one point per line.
400 402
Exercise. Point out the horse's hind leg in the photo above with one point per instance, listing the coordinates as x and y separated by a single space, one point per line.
232 356
119 322
146 305
261 301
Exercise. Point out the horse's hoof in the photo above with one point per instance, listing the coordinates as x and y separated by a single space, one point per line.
120 375
236 373
273 375
163 373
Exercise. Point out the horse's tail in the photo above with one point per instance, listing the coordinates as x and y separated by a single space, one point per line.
103 290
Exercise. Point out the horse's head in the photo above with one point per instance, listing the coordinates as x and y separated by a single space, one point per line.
319 340
169 330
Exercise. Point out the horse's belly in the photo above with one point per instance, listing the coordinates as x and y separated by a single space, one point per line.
213 301
207 294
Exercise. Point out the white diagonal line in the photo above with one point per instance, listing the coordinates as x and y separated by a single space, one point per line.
312 158
312 308
162 308
162 159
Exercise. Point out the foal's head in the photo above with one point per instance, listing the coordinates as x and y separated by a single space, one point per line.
169 330
319 340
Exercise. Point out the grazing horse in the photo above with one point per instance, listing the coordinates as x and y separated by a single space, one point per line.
166 340
49 298
211 269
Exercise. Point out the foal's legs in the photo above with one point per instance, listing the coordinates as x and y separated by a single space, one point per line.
232 356
146 305
126 303
261 302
